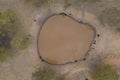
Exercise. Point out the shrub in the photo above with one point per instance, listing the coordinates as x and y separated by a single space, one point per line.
103 72
44 75
20 42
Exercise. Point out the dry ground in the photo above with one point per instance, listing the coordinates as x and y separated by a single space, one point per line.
25 62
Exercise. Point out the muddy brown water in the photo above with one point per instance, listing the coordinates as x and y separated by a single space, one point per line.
62 39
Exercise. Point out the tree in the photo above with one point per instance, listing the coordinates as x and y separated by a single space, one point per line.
46 74
103 72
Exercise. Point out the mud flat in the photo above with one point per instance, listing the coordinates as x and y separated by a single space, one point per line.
62 39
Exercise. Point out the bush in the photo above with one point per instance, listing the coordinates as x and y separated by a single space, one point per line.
20 42
111 16
44 75
103 72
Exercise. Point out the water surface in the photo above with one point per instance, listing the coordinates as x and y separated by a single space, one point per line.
63 39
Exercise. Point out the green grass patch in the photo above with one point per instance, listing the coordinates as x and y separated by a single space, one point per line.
7 22
46 74
20 42
87 1
103 72
92 1
4 54
7 29
38 3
